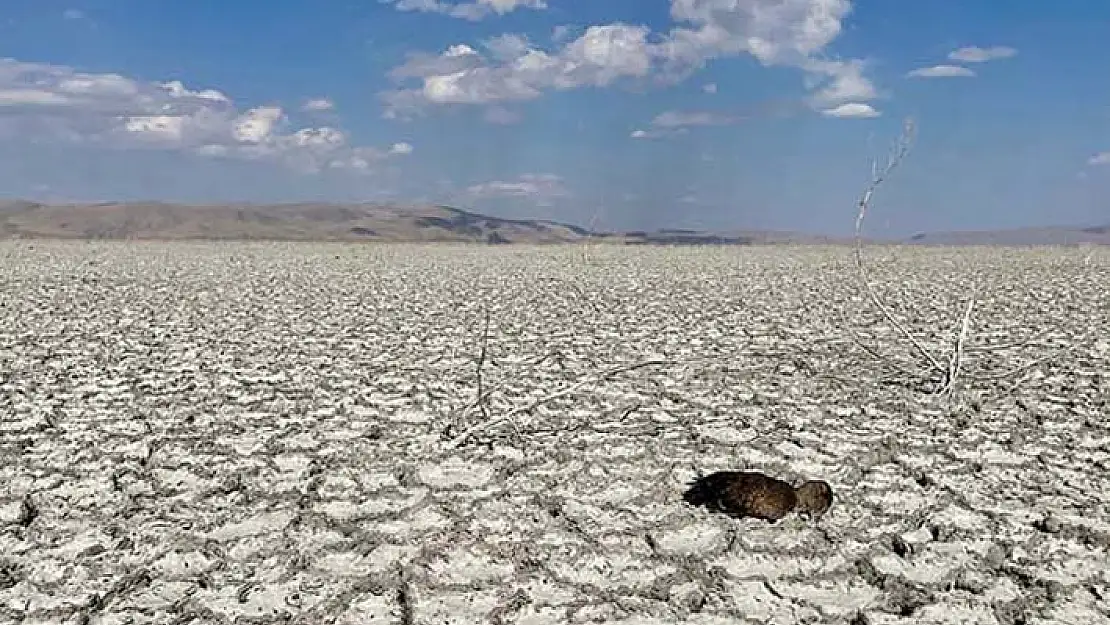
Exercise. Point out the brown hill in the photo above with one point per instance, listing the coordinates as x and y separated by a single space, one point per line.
329 222
416 223
291 222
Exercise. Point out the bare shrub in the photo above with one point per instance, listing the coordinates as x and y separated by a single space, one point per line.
939 370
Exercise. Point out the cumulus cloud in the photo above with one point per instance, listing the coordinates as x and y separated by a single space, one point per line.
942 71
473 11
1102 158
790 33
975 54
52 102
837 82
512 69
777 32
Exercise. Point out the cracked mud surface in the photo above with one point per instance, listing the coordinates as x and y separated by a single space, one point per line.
216 433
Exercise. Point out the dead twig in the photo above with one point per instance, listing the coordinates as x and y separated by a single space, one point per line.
951 372
874 352
480 398
878 177
510 416
948 372
955 359
587 246
1022 368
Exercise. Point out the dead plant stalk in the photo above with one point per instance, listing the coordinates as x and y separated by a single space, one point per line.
511 415
949 372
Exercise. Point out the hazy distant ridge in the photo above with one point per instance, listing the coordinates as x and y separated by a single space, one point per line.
413 223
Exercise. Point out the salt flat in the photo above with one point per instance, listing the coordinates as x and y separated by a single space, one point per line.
216 433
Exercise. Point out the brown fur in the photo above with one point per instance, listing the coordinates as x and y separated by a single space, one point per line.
815 497
749 494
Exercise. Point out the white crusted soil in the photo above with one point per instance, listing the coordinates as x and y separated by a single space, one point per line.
259 433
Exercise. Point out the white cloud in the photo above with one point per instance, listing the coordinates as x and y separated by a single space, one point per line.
975 54
603 54
1102 158
507 47
15 96
457 58
837 82
256 125
535 186
56 103
791 33
73 14
851 109
474 11
516 71
401 148
41 88
658 133
157 127
777 32
942 71
178 90
710 88
317 105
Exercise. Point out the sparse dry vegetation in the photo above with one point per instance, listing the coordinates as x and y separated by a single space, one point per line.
939 372
204 433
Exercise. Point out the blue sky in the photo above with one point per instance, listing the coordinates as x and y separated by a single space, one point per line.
621 114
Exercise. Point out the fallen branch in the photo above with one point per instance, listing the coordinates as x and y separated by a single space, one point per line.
509 416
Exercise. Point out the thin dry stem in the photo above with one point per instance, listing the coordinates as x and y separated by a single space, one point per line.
587 247
898 153
509 416
874 352
480 396
955 360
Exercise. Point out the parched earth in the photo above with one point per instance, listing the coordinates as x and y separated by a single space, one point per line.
216 433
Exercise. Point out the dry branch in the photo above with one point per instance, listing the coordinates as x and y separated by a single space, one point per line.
950 372
878 177
947 372
480 396
955 359
509 416
587 246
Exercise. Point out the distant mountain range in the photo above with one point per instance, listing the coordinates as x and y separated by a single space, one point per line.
405 223
1051 235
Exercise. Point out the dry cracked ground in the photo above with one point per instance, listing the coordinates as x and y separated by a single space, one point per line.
301 433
